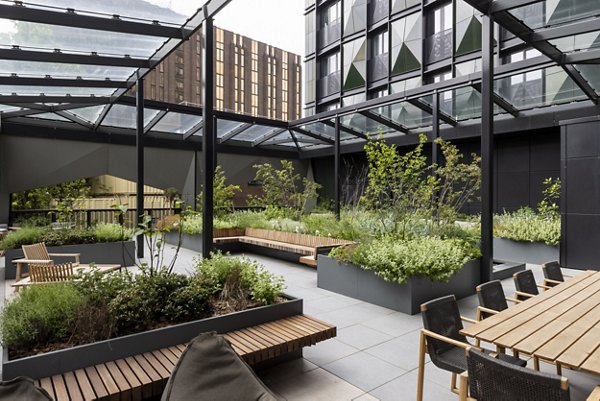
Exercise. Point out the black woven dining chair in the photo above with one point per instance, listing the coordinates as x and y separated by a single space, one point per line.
525 285
491 379
491 299
553 274
445 345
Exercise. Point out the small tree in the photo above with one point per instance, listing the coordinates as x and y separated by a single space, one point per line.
171 195
223 194
284 189
548 206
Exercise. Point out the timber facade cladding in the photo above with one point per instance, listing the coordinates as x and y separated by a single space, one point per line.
251 77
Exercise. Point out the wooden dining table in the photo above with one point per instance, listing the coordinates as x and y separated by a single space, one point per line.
559 326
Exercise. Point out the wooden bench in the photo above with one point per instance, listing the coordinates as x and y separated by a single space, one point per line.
307 246
145 375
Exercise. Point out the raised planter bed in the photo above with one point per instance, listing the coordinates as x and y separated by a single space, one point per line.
67 360
351 280
101 253
525 252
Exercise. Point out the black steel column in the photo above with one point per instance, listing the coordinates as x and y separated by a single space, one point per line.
435 132
140 161
195 186
487 149
208 137
336 168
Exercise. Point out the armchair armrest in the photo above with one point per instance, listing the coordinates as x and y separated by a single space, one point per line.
524 294
545 287
483 309
468 320
549 280
568 275
428 333
39 261
514 300
76 256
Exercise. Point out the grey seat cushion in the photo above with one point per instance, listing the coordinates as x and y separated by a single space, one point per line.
22 388
209 369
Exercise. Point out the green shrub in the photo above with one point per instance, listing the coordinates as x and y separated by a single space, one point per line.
40 315
250 277
71 236
109 232
33 221
24 236
526 225
397 260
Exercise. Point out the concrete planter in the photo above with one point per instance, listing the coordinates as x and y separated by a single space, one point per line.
66 360
122 253
525 252
352 281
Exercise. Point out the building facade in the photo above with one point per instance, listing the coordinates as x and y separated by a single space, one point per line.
251 77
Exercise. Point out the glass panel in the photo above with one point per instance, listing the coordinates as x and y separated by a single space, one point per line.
28 34
331 24
226 126
467 68
177 123
402 86
310 39
573 43
325 131
468 29
365 125
405 114
355 16
122 116
591 73
554 12
539 88
255 132
283 136
24 90
309 81
58 70
4 108
90 114
399 5
168 11
355 63
353 99
407 39
50 116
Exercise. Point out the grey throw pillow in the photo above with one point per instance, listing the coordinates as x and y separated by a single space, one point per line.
22 388
209 369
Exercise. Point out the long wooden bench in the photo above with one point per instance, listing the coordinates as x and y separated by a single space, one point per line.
145 375
307 246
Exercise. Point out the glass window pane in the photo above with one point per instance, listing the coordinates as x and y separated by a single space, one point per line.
58 70
573 43
90 114
591 73
405 114
255 132
25 90
226 126
555 12
122 116
177 123
355 16
362 124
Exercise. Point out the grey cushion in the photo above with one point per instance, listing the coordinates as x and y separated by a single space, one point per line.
209 369
22 388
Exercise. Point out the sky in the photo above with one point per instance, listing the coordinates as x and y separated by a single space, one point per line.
277 22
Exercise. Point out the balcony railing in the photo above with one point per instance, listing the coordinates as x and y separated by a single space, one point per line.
439 46
378 67
329 84
330 33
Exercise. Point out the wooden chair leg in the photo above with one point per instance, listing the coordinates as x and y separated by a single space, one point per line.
421 374
515 353
463 389
536 363
559 369
453 386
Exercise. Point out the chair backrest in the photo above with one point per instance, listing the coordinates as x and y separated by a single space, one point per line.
50 273
552 271
36 251
525 282
491 296
442 316
491 379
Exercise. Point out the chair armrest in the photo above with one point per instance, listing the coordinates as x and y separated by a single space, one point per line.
75 256
39 261
524 294
549 280
428 333
468 320
516 301
545 287
483 309
568 275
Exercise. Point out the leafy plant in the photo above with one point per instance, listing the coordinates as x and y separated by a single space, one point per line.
223 194
171 194
284 190
548 206
24 236
110 232
528 226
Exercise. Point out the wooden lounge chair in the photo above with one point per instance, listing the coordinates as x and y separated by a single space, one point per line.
50 273
38 254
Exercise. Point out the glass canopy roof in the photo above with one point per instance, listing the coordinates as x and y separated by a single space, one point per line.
62 62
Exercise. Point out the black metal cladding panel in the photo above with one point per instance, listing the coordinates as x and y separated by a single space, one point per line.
583 185
513 154
546 156
512 190
583 237
581 141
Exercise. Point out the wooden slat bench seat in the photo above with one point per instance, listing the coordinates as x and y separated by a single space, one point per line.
145 375
307 246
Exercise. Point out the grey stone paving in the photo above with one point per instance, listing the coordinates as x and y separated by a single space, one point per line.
374 356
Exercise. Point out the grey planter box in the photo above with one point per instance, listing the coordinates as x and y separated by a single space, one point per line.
66 360
101 253
525 252
352 281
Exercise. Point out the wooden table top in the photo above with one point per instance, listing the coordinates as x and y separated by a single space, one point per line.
561 325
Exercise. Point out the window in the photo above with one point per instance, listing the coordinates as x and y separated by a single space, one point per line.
331 64
330 27
355 16
407 44
439 33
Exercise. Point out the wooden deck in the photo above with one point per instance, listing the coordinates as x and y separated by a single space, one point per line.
145 375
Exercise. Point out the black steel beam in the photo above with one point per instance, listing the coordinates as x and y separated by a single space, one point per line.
561 31
208 139
382 120
312 135
346 129
69 58
193 131
429 110
235 132
591 56
292 139
487 149
75 119
16 99
140 164
212 7
70 18
505 5
152 123
49 81
336 169
500 101
295 141
268 136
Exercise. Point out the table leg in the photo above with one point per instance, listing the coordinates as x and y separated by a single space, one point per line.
18 273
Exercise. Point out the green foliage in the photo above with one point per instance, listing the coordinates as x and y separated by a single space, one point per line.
253 279
110 232
24 236
284 191
548 206
397 260
171 194
41 198
223 194
528 226
71 236
40 315
33 221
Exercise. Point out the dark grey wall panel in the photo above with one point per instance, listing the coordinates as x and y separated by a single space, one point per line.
580 210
